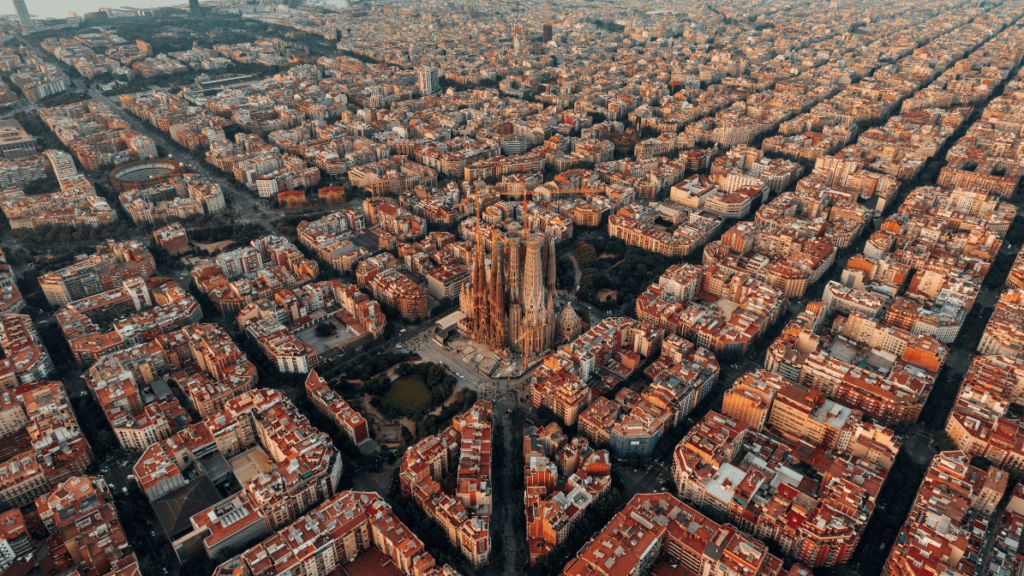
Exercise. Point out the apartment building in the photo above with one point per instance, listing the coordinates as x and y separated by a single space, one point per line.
96 136
462 453
113 264
289 354
25 354
17 173
656 529
15 142
130 314
239 277
177 197
750 399
636 225
951 487
66 511
394 219
783 252
15 534
341 531
331 405
53 449
557 495
805 414
562 381
327 238
221 371
172 238
395 289
981 423
200 359
631 423
723 466
298 466
1004 333
39 81
681 303
76 204
890 385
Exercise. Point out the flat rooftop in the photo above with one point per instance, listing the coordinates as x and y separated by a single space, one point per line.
843 351
250 464
11 131
727 307
373 561
342 337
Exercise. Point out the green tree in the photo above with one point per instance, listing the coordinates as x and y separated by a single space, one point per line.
943 441
585 254
545 415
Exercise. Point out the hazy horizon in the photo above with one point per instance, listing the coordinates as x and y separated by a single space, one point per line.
60 8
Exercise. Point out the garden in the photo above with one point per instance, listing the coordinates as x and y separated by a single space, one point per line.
418 390
613 273
410 391
419 393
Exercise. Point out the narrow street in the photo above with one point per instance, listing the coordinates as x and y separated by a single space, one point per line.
990 537
504 508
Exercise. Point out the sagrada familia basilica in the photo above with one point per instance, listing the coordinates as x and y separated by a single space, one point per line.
510 303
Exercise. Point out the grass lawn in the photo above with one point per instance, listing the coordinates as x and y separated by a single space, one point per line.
410 391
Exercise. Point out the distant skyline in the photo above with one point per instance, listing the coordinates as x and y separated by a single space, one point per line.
60 8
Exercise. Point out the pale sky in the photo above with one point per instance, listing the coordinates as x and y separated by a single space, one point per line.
59 8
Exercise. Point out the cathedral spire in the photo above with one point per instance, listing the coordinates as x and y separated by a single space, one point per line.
552 264
515 268
479 280
497 297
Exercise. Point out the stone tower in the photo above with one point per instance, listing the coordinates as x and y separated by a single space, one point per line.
497 321
569 324
481 310
536 330
515 268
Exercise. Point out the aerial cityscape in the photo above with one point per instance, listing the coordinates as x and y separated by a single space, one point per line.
566 288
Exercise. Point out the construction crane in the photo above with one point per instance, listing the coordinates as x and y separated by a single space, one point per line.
526 220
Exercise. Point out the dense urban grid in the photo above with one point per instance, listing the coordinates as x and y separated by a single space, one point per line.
579 288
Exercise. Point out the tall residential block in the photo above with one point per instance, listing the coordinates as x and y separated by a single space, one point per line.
23 15
427 81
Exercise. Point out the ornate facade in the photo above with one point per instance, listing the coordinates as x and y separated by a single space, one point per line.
510 304
569 324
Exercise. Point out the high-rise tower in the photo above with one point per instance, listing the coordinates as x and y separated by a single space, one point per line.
23 16
428 81
63 164
547 33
